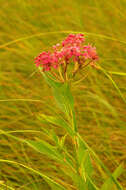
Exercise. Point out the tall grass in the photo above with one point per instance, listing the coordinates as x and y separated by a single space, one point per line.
27 28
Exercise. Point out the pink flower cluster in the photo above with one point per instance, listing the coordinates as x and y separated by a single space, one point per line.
72 49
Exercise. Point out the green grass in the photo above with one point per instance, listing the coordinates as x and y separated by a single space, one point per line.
26 29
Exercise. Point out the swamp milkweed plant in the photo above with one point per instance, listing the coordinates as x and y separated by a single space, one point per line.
59 66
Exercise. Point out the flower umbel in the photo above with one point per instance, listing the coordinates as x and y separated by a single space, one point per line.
72 50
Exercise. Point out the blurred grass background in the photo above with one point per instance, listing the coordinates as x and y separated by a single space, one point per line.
101 113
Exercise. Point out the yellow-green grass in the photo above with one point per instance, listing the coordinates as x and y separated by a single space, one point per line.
28 27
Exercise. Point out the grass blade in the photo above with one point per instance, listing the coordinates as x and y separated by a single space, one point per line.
54 185
108 185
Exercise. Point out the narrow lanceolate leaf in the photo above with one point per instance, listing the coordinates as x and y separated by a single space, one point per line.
56 121
84 160
61 93
91 185
45 148
82 184
101 164
108 185
63 97
51 151
85 165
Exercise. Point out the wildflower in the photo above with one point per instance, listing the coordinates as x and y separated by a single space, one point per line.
71 50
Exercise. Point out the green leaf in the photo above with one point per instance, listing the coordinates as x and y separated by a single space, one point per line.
91 185
74 123
119 170
51 151
101 164
79 182
108 185
84 184
85 165
45 148
56 121
63 97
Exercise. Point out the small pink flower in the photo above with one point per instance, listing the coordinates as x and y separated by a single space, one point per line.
73 39
92 52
